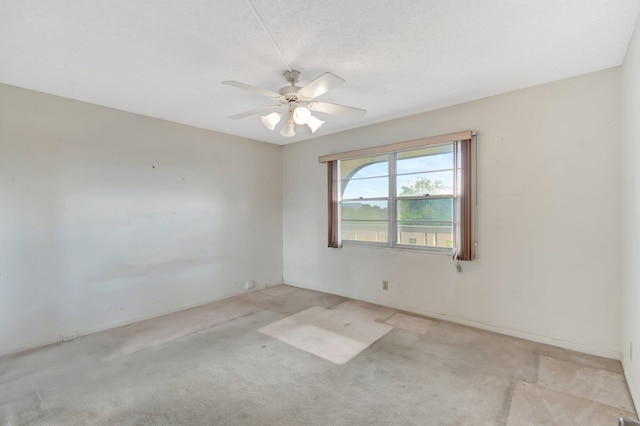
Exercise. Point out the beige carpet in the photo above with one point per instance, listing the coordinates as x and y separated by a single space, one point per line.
410 323
595 384
534 405
210 366
336 335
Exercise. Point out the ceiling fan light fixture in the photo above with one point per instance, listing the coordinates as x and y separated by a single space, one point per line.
288 129
270 120
299 101
301 115
314 123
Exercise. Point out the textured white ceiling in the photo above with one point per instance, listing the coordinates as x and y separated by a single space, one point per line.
166 58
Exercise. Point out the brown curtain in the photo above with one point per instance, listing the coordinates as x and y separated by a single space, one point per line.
332 190
465 244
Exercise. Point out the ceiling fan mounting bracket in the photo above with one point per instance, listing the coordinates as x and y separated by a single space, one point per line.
292 76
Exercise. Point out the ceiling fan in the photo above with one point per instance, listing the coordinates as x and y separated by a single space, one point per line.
299 102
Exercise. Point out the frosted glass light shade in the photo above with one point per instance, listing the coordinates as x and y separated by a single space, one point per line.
288 130
301 115
270 120
314 123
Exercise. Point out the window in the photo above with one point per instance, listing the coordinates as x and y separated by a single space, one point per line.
364 199
414 194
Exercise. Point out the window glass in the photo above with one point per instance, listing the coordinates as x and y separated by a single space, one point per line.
415 206
429 183
365 188
370 231
439 209
364 167
426 159
427 235
368 210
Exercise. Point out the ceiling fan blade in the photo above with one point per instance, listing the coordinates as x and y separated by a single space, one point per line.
330 108
320 85
255 111
253 89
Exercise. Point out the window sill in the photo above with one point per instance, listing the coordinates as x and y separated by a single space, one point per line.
443 251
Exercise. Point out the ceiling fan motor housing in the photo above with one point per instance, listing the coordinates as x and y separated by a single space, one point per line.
290 93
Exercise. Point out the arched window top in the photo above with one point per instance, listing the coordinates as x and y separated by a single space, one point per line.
366 177
364 167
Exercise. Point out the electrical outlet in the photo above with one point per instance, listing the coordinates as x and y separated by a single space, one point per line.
250 284
385 285
66 337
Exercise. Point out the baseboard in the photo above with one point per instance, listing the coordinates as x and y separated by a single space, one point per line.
578 347
30 346
82 333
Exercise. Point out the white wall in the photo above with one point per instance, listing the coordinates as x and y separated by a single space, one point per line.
631 214
108 217
549 218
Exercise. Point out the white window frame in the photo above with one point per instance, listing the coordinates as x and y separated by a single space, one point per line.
392 203
465 168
